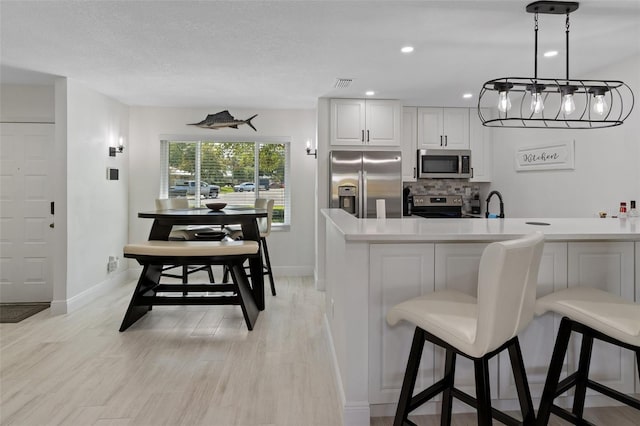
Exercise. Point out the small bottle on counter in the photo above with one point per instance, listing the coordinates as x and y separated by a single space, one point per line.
632 211
622 214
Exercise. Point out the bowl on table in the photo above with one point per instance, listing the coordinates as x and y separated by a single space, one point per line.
216 206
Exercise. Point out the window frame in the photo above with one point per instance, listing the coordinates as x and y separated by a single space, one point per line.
256 140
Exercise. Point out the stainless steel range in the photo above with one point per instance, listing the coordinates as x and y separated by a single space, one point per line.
437 206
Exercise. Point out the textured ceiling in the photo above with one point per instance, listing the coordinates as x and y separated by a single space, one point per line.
286 54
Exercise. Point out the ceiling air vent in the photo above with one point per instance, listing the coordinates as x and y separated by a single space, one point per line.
343 83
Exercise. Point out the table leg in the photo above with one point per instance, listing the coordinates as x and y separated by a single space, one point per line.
250 231
146 283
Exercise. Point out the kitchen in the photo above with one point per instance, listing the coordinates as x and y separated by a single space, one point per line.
605 171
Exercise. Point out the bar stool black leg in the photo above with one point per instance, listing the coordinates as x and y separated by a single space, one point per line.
522 385
483 391
410 375
553 375
449 379
582 376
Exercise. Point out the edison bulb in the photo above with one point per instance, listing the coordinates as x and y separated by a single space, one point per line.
568 104
504 103
537 105
599 105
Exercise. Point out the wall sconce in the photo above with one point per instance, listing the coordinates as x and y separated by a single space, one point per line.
117 150
310 151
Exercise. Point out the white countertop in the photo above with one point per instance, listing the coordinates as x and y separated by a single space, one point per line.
417 229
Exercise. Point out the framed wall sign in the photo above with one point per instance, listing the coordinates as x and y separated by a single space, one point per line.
546 156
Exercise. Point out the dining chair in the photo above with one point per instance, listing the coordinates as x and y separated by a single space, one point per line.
264 225
183 233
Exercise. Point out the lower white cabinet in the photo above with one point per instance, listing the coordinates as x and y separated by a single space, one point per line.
401 271
608 267
537 340
397 272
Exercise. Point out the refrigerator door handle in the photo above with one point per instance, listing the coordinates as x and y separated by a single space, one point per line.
359 195
364 195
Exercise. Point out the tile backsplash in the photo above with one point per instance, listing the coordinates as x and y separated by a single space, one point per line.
447 187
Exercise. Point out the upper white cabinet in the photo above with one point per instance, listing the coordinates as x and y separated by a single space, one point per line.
443 128
365 122
409 143
480 142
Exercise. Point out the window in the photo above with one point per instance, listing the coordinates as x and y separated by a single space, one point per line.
235 172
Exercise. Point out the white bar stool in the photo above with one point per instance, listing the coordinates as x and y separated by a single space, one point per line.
477 329
595 314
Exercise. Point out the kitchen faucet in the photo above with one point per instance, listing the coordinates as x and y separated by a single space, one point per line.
491 194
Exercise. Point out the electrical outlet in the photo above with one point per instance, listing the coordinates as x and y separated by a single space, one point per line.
112 264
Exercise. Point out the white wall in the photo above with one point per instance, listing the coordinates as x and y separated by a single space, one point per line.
27 104
96 209
291 252
607 164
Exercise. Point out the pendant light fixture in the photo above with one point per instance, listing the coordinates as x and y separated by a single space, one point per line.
555 103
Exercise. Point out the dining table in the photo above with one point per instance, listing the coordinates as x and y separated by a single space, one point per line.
246 217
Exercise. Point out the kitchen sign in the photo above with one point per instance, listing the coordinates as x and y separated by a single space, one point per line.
548 156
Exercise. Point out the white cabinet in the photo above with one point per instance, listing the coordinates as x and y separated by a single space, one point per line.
608 267
365 122
398 272
480 142
637 375
409 143
443 128
538 339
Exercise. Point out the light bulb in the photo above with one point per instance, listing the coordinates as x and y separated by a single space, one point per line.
600 105
568 104
536 103
504 103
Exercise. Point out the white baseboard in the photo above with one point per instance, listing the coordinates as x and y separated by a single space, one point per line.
60 307
292 271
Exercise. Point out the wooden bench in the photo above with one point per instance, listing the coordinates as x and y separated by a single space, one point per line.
152 255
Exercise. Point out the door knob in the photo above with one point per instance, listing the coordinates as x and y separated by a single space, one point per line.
51 225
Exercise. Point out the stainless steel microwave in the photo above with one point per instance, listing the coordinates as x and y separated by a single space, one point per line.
444 163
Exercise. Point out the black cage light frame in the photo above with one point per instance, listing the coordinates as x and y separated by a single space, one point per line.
611 98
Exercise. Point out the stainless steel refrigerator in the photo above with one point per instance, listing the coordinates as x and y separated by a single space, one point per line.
359 178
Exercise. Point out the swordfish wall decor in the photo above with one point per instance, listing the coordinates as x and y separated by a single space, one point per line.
223 119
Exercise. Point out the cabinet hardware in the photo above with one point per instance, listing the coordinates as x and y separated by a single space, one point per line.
51 225
363 136
367 136
445 140
414 172
440 140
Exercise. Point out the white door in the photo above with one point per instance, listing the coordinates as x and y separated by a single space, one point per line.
25 212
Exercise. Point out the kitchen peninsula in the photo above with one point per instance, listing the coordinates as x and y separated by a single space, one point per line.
373 264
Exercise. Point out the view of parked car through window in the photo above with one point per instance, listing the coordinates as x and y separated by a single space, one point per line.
228 172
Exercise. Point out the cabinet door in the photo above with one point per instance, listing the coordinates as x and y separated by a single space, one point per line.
608 267
382 123
538 339
481 144
456 128
398 272
456 268
430 133
409 143
347 121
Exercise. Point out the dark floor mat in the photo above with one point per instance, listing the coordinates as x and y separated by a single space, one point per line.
16 312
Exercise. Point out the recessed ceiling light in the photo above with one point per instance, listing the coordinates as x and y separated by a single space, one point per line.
370 93
467 95
407 49
550 53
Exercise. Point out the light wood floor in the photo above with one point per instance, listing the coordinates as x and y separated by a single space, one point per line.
182 365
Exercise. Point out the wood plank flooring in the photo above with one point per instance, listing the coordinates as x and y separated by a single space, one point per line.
184 365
